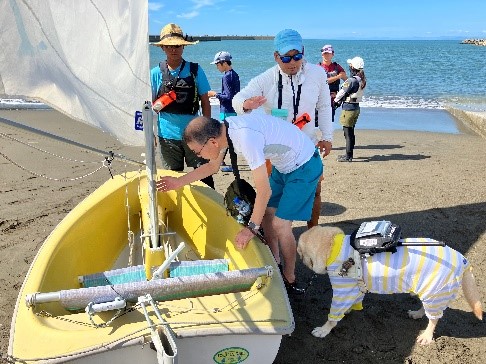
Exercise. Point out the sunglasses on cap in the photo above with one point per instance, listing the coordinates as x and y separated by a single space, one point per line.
296 57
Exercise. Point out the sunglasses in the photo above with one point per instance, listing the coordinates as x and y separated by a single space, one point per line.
296 57
173 46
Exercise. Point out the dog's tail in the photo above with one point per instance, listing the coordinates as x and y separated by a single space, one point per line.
471 293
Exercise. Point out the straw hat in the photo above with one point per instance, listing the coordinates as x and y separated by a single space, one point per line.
172 34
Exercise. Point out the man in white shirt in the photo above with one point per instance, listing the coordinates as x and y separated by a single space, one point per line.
285 196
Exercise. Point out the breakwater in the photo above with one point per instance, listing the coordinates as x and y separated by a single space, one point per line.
478 42
208 38
476 121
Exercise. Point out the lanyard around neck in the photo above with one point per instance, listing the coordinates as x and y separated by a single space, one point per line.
295 100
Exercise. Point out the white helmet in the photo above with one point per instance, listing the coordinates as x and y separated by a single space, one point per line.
357 63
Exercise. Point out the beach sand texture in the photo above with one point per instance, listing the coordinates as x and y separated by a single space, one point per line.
433 185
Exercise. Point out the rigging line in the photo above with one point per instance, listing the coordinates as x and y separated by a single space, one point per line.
56 51
45 151
50 178
68 141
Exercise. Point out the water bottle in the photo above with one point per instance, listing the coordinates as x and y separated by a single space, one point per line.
243 208
164 100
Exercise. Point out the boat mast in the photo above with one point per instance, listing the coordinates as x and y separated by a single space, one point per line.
148 128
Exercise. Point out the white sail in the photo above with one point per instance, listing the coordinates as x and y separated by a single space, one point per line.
103 84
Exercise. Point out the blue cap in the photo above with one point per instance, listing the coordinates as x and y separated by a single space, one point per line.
287 40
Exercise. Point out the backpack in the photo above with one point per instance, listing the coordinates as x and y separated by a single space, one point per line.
375 237
239 187
185 88
242 189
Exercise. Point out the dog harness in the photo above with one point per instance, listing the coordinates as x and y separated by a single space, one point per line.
433 273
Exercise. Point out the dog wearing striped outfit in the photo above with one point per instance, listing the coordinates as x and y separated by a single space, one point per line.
433 273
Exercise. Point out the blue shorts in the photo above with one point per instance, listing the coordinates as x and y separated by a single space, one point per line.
293 193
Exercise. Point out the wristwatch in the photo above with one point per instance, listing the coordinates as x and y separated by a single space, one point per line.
253 227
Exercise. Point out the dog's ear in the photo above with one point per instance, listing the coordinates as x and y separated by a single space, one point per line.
325 241
312 249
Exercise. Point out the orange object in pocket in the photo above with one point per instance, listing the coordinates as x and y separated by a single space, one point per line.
302 120
164 100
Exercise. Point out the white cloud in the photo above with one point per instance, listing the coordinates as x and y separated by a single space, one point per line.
198 4
190 15
155 6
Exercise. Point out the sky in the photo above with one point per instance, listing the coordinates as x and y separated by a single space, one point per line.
338 19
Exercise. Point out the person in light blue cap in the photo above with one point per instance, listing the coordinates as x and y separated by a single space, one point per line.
295 91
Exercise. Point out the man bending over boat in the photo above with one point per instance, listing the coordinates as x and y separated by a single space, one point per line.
286 196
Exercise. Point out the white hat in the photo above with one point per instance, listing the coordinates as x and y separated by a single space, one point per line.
222 56
357 63
327 49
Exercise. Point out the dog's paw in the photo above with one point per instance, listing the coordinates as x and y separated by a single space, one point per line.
321 331
416 314
425 339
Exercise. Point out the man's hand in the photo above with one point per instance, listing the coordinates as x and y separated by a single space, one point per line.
254 102
324 147
243 237
167 183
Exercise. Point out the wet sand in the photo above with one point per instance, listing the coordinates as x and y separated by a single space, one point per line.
432 184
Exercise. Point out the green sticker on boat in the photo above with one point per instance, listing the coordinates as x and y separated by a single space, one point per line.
231 356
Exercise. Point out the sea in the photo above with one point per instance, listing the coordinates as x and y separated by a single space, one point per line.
410 83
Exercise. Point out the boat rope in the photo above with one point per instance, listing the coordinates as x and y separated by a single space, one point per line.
68 141
44 151
53 178
118 313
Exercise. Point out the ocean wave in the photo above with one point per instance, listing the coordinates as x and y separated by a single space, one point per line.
386 102
21 104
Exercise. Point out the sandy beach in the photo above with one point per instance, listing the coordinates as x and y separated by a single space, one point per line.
432 184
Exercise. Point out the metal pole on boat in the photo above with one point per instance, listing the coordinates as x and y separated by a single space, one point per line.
148 128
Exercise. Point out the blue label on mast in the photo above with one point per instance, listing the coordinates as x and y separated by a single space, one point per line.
138 120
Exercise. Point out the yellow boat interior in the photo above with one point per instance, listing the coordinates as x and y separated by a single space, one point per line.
108 230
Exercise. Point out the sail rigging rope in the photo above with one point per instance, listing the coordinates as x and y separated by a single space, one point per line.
52 178
42 150
68 141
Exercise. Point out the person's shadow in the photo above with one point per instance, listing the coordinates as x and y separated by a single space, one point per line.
385 157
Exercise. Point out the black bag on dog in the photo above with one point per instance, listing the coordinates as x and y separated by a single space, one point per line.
375 237
240 195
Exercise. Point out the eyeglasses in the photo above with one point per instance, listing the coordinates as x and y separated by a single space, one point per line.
200 150
296 57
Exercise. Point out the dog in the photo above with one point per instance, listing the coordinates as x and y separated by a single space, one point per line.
433 273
